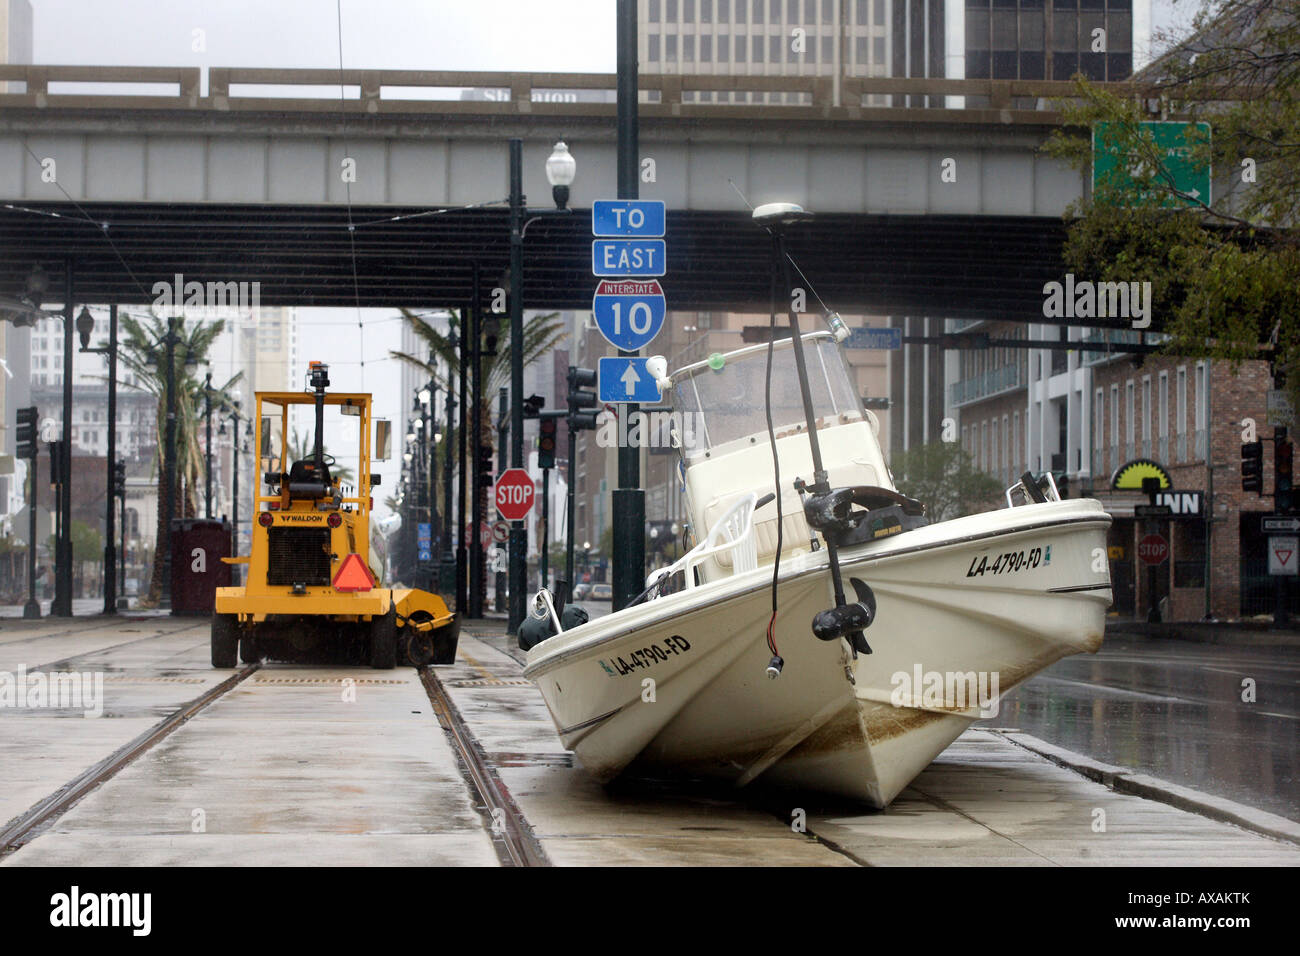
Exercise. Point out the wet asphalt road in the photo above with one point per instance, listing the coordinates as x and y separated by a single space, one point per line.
1174 709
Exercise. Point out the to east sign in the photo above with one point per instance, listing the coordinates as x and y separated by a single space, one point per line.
635 218
1153 549
514 494
628 257
630 312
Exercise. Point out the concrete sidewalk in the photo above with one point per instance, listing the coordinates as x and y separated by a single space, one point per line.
1233 633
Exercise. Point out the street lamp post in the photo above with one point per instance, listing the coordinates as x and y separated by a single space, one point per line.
85 326
560 170
170 341
207 450
63 543
448 553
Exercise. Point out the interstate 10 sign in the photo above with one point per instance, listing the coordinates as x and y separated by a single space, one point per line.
629 312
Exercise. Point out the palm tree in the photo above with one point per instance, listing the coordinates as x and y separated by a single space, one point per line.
541 334
142 350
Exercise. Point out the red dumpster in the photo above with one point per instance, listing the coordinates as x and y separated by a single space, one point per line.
198 545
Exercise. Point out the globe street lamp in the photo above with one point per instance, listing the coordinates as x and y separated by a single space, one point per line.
561 168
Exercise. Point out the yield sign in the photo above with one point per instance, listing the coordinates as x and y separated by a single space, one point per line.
353 575
1282 555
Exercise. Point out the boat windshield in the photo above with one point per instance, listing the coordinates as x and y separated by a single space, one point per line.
725 403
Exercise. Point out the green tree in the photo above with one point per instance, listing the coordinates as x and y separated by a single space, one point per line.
1225 275
87 542
942 475
142 350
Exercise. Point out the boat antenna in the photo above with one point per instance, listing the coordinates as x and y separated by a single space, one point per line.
832 317
775 665
776 218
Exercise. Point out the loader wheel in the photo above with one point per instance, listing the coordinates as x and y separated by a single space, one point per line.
383 641
225 640
250 652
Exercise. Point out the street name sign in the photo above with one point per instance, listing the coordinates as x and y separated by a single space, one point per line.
629 312
867 338
633 218
625 379
638 258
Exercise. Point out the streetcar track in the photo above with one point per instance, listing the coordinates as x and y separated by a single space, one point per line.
111 647
512 837
37 819
42 637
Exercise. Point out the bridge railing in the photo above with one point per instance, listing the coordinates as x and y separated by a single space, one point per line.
423 91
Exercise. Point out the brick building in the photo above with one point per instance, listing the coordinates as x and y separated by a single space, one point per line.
1173 410
990 394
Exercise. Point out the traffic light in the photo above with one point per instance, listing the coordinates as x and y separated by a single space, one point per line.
1283 495
1252 466
56 463
119 479
26 447
546 441
580 380
533 406
485 466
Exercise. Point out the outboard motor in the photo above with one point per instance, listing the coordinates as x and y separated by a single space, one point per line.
848 620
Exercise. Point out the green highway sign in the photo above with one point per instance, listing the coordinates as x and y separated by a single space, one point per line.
1111 166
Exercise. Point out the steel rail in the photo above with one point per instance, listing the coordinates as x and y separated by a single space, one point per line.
27 826
516 846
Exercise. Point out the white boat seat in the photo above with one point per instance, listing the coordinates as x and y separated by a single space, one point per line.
731 536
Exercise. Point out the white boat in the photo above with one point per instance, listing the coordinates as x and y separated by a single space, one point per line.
959 611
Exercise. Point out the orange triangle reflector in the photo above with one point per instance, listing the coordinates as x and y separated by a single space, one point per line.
353 575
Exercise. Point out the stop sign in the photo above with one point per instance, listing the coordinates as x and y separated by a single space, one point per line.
514 493
1153 549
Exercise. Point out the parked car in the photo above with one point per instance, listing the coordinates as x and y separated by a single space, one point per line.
580 592
601 592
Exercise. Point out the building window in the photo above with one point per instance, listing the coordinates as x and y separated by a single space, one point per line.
1146 416
1180 416
740 47
1162 418
670 11
654 48
758 49
1114 425
670 48
688 47
1202 393
688 11
758 11
1098 432
654 11
706 49
724 11
1129 432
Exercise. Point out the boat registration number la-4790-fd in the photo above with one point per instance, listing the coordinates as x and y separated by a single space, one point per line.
1024 560
647 656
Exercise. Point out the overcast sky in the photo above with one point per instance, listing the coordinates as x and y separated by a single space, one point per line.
528 35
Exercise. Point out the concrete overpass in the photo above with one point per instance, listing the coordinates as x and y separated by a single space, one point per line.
243 182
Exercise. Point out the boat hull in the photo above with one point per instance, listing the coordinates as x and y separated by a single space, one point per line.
966 609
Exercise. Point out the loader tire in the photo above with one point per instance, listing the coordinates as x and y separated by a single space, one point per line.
383 641
225 640
250 652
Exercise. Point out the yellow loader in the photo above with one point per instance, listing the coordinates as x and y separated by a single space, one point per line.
309 586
